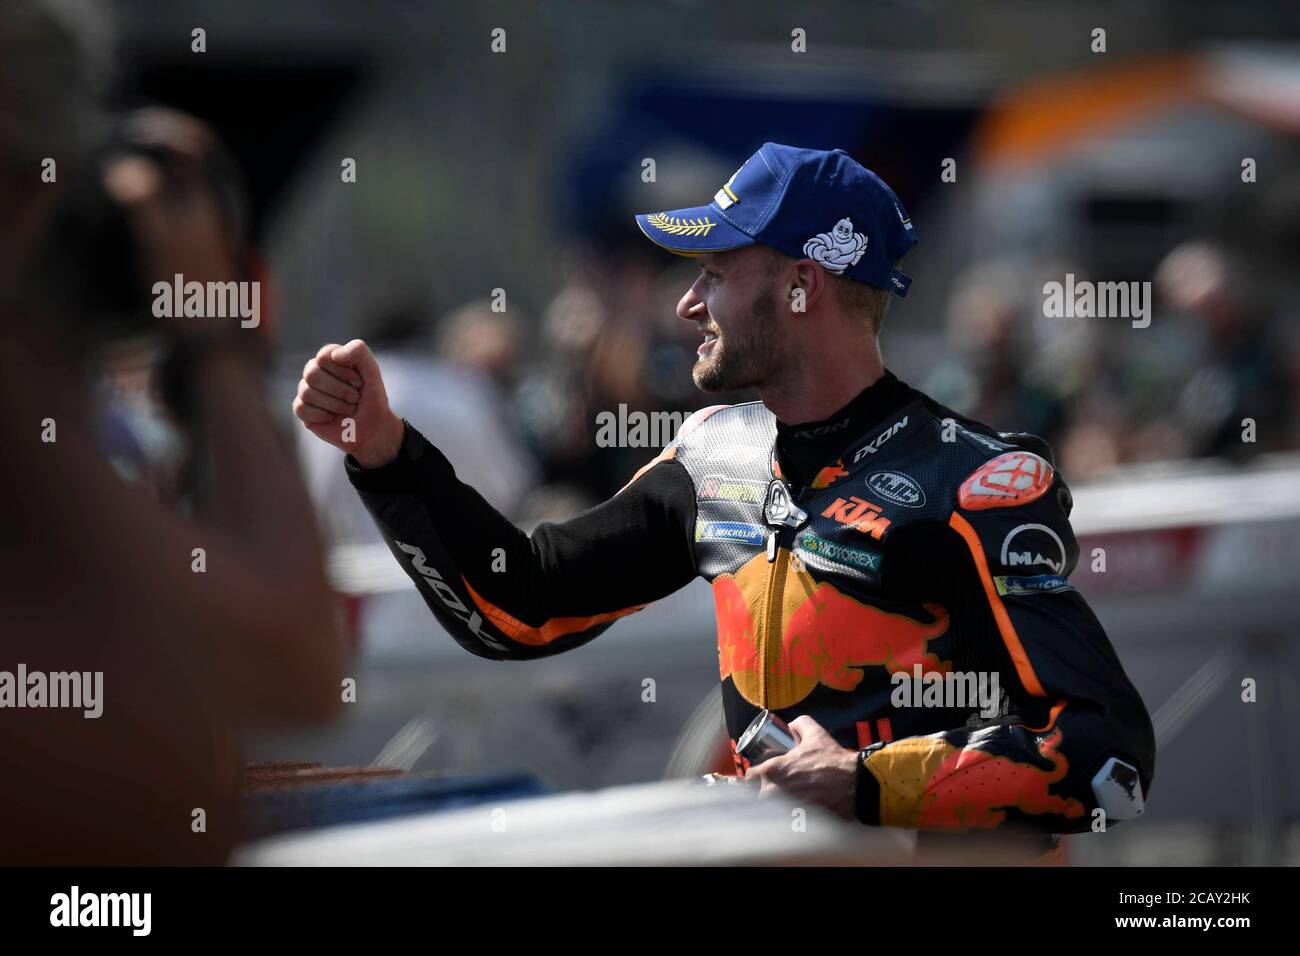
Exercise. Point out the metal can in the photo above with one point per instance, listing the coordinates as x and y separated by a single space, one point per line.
766 736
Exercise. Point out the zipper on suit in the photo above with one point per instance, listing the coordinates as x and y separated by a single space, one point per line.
783 519
778 555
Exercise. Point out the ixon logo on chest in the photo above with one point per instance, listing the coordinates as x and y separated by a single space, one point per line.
873 446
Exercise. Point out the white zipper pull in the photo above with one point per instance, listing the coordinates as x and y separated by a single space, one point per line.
771 545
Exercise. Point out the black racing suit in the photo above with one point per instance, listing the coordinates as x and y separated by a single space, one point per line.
875 571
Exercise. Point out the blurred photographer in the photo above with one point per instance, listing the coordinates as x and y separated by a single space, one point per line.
195 627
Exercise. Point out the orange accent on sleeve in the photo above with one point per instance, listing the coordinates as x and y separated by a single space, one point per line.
517 630
1051 718
698 418
1009 636
667 454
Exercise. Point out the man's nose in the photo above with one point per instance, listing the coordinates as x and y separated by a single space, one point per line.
691 307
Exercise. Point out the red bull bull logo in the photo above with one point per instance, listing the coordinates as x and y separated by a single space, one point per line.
829 475
935 785
820 636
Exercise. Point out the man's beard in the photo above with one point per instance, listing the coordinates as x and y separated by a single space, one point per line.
743 359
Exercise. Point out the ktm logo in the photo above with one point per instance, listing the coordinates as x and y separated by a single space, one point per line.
858 514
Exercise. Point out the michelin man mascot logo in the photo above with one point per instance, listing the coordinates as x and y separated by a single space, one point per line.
838 249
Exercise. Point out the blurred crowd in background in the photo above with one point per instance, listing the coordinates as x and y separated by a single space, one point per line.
1103 393
515 396
1125 166
1105 396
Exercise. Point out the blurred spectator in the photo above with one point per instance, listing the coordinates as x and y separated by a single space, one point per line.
483 341
1240 372
96 576
609 338
1108 394
553 401
988 369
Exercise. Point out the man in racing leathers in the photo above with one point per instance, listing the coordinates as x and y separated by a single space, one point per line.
857 535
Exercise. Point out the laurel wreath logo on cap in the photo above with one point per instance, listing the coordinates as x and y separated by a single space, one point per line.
677 226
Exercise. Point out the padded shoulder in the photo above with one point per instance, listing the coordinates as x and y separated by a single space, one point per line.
1028 442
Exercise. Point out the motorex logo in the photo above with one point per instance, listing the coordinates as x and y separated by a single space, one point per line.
817 551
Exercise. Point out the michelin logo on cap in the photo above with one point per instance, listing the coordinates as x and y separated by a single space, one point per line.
838 249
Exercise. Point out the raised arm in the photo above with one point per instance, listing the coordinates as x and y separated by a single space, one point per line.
501 593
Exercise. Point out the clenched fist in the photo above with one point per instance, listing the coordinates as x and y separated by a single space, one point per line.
341 400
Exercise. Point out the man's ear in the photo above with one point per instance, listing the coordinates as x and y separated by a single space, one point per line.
808 284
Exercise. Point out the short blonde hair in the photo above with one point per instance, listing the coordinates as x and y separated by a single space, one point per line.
855 298
865 301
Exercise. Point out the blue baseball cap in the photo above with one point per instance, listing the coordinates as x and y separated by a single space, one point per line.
808 203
